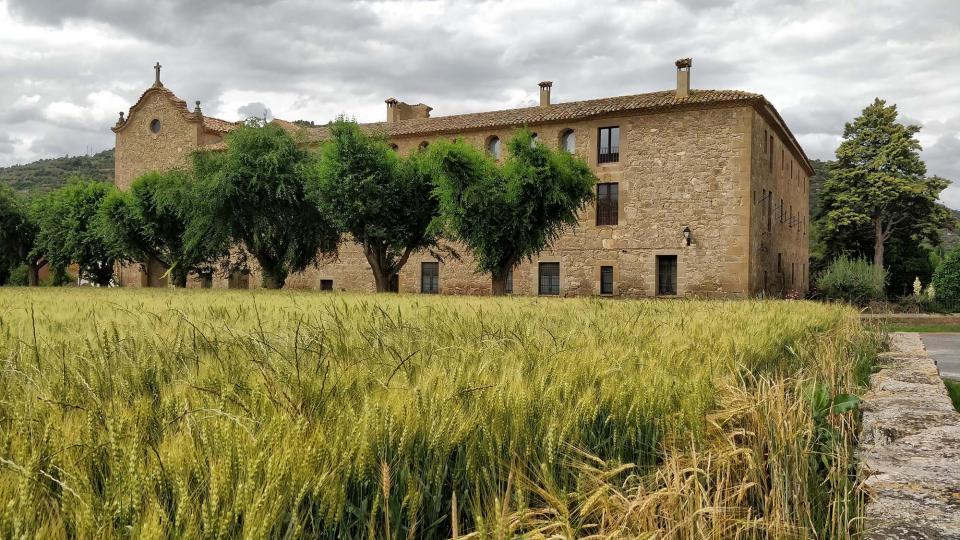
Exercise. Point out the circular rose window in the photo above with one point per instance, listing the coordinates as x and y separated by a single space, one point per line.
155 126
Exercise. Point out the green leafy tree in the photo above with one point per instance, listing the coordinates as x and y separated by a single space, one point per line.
17 232
383 201
508 213
254 194
946 280
878 187
69 231
151 220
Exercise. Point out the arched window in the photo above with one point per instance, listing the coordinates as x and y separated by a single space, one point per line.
155 125
423 145
568 141
534 139
494 146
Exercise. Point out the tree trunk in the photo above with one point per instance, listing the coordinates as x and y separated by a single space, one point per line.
178 278
273 273
33 274
878 243
273 280
499 282
383 280
386 279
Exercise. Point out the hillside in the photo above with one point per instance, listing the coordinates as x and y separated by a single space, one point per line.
49 174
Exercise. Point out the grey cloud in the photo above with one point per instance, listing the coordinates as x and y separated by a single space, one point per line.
255 110
7 143
819 62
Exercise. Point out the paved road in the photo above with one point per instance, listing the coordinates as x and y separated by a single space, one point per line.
945 350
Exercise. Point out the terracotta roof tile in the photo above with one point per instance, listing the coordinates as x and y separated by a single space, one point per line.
218 125
575 110
557 112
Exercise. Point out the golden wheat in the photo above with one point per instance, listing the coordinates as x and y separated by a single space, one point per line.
221 414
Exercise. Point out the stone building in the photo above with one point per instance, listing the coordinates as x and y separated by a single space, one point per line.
700 192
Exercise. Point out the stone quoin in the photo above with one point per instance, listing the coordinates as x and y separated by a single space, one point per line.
704 192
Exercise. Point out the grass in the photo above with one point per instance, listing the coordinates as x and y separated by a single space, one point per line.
953 389
237 414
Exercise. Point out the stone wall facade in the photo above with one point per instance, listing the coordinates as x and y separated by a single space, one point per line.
780 213
695 168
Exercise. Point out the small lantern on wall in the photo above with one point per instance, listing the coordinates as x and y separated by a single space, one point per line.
687 235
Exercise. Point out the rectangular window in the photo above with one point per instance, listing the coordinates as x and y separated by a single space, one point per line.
549 278
666 275
781 210
769 211
608 200
606 280
608 149
509 287
430 277
326 284
792 273
780 262
770 155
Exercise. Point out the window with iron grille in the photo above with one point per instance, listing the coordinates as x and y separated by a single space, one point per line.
509 288
326 284
608 200
549 278
606 280
608 149
430 277
666 275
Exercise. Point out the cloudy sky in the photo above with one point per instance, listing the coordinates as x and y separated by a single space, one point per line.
68 67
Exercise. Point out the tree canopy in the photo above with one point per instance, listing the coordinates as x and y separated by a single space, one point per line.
878 189
385 202
510 212
254 194
68 230
151 220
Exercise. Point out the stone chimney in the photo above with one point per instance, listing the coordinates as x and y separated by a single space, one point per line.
391 110
398 110
545 87
683 77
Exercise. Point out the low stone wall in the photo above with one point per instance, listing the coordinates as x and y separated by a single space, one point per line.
910 447
912 318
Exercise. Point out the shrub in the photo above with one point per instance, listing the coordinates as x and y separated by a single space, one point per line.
18 276
946 280
852 280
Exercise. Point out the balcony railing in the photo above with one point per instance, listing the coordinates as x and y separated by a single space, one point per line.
609 155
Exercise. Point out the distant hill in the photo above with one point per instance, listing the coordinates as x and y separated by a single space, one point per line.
49 174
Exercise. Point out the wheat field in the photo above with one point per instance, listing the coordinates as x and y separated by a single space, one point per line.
256 414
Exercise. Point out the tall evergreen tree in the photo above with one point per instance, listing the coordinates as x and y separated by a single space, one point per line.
878 186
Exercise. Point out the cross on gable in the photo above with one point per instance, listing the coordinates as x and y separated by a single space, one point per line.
156 68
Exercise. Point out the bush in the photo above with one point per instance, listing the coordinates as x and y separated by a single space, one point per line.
852 280
18 276
946 280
